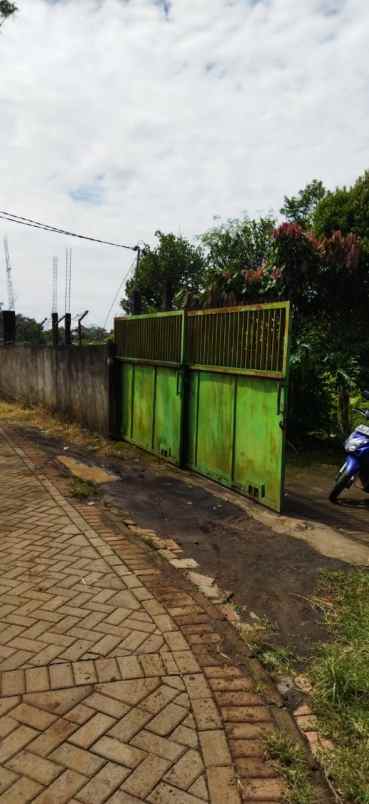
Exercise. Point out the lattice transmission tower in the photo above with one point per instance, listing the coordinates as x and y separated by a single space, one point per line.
9 281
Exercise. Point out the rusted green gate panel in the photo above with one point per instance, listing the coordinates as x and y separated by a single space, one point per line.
168 414
237 388
127 399
211 424
150 349
152 409
143 392
259 441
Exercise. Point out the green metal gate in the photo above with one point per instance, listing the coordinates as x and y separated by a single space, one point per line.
150 348
235 432
208 389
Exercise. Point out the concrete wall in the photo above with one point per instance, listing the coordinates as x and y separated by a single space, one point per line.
75 382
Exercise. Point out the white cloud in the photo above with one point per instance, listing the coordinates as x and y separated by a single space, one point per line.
121 117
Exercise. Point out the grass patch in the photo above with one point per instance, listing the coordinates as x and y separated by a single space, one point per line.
340 675
254 633
83 489
276 660
291 763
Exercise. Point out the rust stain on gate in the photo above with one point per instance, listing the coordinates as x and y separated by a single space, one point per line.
208 389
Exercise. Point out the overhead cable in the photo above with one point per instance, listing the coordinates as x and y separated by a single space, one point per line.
10 217
125 278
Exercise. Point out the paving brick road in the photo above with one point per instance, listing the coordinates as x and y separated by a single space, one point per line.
103 696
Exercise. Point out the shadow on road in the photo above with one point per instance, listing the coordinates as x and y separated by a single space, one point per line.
307 496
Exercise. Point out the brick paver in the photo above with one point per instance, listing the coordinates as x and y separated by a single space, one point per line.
109 690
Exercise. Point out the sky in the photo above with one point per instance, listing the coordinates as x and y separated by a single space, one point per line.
122 117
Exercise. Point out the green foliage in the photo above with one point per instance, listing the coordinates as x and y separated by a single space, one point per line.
341 677
335 212
239 245
83 489
239 261
277 660
6 10
325 371
29 331
92 335
346 209
174 265
293 766
300 208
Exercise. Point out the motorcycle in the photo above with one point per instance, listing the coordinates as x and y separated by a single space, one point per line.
357 461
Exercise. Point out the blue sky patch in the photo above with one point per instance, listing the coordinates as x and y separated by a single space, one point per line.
89 193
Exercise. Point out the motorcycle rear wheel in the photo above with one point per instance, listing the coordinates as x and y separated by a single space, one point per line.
343 482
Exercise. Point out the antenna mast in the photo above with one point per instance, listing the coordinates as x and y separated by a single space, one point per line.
11 300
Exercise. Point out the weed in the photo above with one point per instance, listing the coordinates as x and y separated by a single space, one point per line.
277 660
292 765
83 489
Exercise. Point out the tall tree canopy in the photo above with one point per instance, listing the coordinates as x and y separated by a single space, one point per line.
28 330
239 244
300 208
237 253
346 209
172 266
6 10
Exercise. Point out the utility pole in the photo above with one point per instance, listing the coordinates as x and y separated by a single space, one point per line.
136 295
54 308
80 327
41 326
67 329
68 284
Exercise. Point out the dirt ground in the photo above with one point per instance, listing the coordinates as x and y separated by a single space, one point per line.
264 573
308 484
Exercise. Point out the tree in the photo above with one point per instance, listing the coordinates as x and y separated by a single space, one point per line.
346 209
6 10
29 331
300 208
95 334
334 212
238 253
172 266
345 212
239 244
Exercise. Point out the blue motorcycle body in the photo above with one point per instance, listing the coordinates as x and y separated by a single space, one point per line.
357 458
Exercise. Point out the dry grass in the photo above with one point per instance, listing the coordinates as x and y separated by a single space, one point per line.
53 425
50 424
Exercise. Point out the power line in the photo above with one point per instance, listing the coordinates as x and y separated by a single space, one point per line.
125 278
11 217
